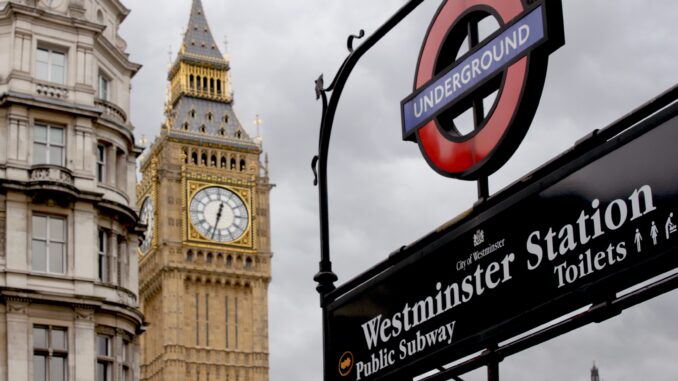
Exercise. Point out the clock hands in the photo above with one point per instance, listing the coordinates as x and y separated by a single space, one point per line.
214 229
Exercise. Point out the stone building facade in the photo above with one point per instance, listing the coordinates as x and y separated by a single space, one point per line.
206 262
68 226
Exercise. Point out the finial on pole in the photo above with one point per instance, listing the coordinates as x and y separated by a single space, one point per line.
258 122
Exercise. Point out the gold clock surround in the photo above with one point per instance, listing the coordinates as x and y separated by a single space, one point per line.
192 187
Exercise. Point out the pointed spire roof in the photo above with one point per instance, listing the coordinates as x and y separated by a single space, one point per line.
198 39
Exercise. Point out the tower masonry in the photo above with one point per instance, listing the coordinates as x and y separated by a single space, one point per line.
205 262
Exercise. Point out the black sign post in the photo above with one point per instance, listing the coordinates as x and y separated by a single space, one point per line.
587 229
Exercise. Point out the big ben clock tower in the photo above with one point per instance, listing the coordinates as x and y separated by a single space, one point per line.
206 254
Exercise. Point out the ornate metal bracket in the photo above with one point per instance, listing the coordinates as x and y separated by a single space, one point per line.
325 277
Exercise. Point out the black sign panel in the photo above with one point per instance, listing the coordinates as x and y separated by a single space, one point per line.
597 224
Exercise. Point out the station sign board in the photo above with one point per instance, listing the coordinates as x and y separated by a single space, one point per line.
588 228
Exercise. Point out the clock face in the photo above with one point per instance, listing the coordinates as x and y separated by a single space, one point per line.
218 214
146 218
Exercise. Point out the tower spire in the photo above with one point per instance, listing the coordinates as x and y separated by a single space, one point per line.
595 376
198 39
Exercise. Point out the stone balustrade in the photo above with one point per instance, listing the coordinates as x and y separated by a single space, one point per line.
51 90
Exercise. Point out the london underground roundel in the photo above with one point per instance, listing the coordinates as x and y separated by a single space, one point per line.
457 73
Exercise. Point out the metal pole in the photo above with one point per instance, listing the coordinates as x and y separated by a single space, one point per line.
325 276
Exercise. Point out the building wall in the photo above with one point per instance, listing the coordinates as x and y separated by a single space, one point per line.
86 295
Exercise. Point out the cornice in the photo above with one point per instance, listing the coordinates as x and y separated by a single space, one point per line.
121 57
24 10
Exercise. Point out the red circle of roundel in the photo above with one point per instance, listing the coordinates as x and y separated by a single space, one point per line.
485 151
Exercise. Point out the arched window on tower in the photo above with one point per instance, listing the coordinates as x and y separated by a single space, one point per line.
194 157
191 82
197 79
233 163
223 162
204 84
213 161
242 165
185 151
218 87
203 159
212 86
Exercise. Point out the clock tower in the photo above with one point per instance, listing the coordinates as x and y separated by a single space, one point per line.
206 255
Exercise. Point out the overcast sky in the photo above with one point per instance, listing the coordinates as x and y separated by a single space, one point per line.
383 195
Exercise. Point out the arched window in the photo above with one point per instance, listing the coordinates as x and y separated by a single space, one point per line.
202 128
191 81
223 162
242 165
204 83
198 82
185 126
189 256
229 261
226 118
210 116
218 87
222 132
194 157
192 113
185 155
209 258
248 263
203 159
212 86
232 163
213 162
238 134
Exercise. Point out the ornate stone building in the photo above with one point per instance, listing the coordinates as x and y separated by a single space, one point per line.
68 238
205 267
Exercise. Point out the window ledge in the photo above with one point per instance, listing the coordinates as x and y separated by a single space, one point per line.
110 111
51 90
115 190
51 173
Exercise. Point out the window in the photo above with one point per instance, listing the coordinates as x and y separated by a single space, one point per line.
207 320
101 163
226 315
102 256
50 353
51 65
235 317
123 269
49 244
126 361
104 87
197 319
48 144
104 358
